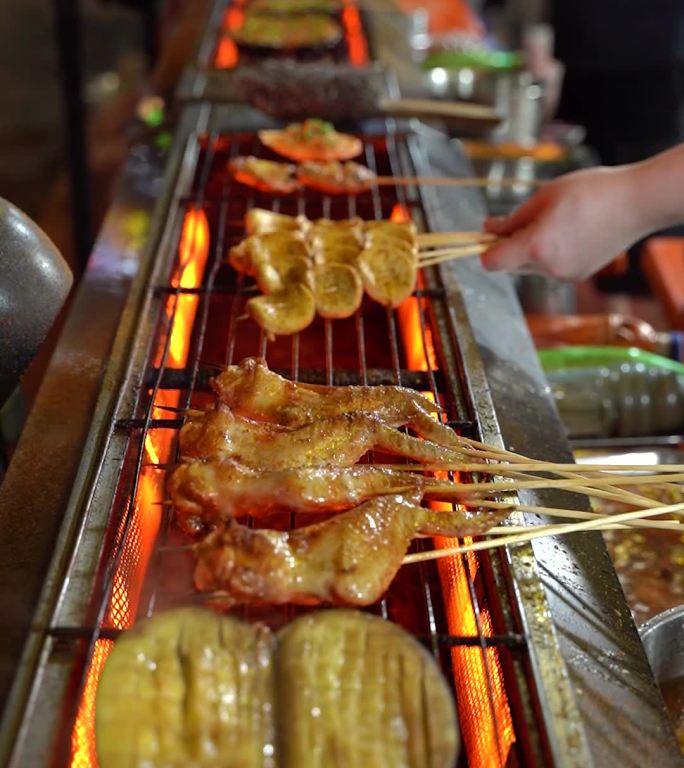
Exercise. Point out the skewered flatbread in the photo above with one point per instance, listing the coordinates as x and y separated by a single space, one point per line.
187 688
334 688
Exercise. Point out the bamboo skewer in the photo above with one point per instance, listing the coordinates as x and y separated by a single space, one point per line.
539 531
454 181
459 489
541 466
433 239
482 450
453 253
617 494
575 514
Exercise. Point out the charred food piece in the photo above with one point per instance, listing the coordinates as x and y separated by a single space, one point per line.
336 178
338 290
260 220
284 312
333 688
388 273
265 30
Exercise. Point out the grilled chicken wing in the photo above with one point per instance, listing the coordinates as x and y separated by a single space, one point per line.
349 559
336 178
251 390
207 493
265 175
338 441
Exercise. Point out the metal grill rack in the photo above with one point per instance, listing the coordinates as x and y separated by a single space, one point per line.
85 605
322 353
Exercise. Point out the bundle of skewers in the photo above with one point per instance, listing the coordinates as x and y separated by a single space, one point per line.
305 267
334 177
270 445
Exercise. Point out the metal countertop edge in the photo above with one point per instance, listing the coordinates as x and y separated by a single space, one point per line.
57 525
622 716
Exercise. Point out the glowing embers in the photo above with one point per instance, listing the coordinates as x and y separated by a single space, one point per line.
353 32
227 55
485 715
137 532
484 711
193 252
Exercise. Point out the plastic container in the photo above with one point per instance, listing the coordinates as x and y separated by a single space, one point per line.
615 392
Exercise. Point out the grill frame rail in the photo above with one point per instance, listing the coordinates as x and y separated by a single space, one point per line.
554 698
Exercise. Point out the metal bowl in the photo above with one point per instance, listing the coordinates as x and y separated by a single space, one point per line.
663 640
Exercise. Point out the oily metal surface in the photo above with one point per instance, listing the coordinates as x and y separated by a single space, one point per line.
570 580
36 490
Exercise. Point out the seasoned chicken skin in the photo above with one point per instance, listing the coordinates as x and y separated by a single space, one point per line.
333 441
205 494
349 559
251 390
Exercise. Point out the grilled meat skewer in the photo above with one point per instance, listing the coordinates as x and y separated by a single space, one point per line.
349 559
205 494
338 441
253 391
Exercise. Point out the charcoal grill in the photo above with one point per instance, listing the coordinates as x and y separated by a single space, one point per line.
537 641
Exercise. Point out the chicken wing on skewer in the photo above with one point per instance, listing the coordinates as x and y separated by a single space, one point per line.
333 178
336 178
338 441
265 175
251 390
349 559
205 494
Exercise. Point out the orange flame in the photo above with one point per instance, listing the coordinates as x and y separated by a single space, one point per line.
147 509
356 40
486 722
227 55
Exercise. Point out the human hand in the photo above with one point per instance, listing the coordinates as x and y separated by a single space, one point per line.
571 227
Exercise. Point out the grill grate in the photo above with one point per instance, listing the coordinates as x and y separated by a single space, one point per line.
145 564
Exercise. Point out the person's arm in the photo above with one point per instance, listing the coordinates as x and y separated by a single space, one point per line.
578 223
